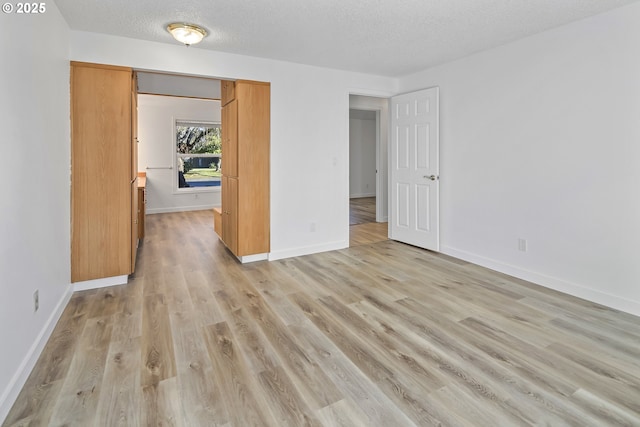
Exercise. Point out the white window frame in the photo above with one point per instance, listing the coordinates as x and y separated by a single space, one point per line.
175 155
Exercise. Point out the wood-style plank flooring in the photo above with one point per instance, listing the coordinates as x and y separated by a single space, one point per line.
363 228
380 334
362 210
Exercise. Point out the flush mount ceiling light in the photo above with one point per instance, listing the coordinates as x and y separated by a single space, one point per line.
186 33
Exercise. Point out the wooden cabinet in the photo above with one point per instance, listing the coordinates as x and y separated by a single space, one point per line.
230 212
230 139
245 167
133 237
142 203
103 172
227 91
135 194
217 221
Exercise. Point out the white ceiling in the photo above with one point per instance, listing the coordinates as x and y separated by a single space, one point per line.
384 37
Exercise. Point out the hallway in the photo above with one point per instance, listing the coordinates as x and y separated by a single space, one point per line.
363 228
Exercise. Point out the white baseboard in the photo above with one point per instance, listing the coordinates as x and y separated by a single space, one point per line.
100 283
12 390
613 301
180 209
361 195
307 250
253 258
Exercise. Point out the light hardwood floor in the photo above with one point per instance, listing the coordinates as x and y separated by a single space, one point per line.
362 226
382 334
362 210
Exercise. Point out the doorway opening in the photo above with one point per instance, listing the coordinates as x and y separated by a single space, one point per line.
368 186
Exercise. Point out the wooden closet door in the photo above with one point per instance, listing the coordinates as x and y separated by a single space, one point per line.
245 168
100 172
227 91
230 213
134 170
254 121
134 223
230 139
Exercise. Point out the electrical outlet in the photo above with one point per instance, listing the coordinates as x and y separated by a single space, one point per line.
312 227
36 301
522 245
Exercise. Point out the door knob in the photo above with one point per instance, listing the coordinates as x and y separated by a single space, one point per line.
431 177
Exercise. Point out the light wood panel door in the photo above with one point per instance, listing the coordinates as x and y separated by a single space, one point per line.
134 170
141 212
245 167
230 139
101 163
134 223
254 150
227 91
230 213
134 126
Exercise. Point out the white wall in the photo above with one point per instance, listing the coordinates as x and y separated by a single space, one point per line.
540 140
309 169
156 118
362 155
34 208
177 85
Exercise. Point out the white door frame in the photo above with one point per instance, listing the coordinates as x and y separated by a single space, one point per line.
380 217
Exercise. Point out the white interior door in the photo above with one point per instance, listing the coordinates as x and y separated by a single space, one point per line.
414 214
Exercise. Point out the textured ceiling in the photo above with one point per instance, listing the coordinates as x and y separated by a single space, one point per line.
384 37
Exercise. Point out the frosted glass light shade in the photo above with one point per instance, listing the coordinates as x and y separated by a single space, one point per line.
186 33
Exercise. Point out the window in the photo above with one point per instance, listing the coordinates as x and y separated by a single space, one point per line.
198 155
